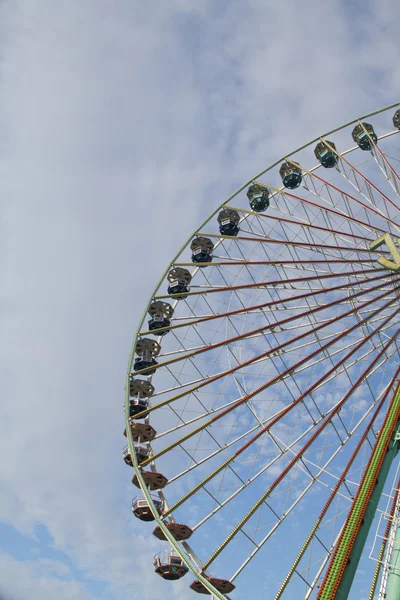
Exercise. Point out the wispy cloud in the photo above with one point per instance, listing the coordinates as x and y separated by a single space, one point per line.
122 127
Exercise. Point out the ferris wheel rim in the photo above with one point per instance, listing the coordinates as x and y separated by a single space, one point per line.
239 190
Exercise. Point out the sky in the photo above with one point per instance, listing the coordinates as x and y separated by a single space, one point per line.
122 126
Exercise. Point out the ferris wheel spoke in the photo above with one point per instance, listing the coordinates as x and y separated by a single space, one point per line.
386 168
367 207
293 246
340 482
213 411
279 262
248 309
348 174
269 305
302 224
281 282
306 245
269 326
314 477
372 188
305 226
229 404
320 570
254 359
272 284
309 185
298 499
293 444
241 401
315 435
326 209
288 510
271 423
366 180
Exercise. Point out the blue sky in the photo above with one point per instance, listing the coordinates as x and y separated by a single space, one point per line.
122 126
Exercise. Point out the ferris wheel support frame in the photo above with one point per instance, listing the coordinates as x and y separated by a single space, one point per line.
393 568
380 560
347 554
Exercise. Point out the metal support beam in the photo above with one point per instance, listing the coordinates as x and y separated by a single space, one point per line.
393 581
343 566
358 547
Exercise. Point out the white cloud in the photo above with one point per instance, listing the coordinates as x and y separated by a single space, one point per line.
122 127
37 579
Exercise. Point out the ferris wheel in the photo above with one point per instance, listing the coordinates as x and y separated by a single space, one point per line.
262 394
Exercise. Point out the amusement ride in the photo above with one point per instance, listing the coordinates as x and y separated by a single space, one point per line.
262 398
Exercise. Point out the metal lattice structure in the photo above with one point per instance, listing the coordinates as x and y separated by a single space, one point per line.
261 395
